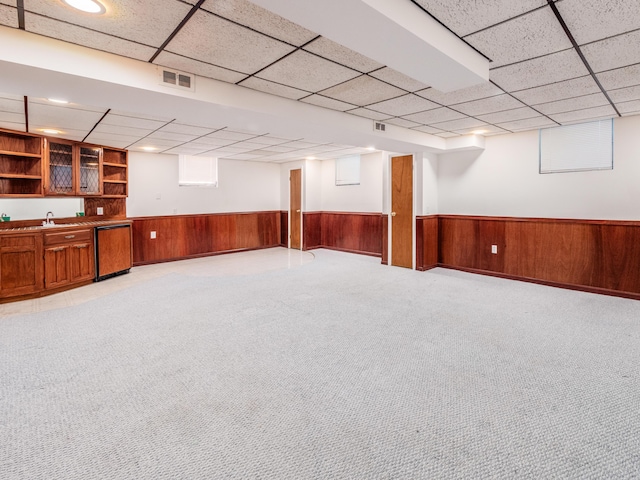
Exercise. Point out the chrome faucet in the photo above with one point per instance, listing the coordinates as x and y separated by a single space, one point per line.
48 221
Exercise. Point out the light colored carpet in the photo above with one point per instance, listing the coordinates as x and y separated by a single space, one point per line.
338 369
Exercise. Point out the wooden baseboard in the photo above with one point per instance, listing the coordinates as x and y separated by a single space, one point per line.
346 250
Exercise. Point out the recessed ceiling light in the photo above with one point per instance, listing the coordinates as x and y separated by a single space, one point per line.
480 132
149 149
371 149
57 100
88 6
311 158
51 131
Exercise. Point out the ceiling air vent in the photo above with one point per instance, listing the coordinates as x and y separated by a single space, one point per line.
379 127
173 78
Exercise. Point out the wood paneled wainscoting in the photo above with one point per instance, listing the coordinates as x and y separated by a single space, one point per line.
189 236
345 231
426 242
591 255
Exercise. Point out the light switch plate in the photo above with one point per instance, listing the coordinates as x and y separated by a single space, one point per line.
153 234
100 211
494 249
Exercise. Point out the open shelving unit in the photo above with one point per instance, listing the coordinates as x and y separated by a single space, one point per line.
20 164
114 173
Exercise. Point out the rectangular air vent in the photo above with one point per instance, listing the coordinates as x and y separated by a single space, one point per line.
379 127
173 78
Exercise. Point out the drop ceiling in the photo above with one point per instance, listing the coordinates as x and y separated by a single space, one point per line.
551 63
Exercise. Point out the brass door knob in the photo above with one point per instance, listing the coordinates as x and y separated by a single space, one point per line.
393 214
297 211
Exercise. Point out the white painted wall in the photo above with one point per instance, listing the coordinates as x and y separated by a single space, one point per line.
504 181
430 204
37 208
366 197
242 187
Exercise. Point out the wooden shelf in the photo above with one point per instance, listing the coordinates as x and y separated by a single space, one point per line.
117 165
113 196
115 181
20 154
17 175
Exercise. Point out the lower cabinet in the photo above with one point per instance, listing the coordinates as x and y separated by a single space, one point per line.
68 257
20 264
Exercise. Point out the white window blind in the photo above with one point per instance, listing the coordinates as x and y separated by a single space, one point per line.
572 148
197 171
348 170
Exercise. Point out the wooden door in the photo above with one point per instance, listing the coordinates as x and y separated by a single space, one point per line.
56 266
295 207
82 262
402 211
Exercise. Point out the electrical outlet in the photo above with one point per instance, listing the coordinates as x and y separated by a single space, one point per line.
153 235
100 211
494 249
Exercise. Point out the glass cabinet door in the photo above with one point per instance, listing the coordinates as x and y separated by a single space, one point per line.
60 168
89 181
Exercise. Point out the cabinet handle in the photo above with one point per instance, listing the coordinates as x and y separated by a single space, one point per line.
69 236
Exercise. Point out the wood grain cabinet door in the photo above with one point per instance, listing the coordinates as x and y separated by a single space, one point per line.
82 262
56 266
20 265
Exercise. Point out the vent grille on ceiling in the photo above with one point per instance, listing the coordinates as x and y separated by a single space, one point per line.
379 127
173 78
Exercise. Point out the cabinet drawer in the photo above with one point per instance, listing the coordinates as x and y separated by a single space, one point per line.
70 236
17 241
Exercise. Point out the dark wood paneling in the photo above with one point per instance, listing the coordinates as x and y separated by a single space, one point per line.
312 230
602 256
284 229
426 242
112 207
188 236
352 232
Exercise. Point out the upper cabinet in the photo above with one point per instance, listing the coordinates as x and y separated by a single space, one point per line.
73 169
114 173
21 164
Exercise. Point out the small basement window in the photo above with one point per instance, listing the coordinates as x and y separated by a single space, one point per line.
348 170
575 148
196 171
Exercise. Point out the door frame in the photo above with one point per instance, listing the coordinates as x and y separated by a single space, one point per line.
302 172
387 206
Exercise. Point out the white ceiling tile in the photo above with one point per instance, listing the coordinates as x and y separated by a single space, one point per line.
570 104
245 156
366 113
149 22
11 125
428 129
613 52
590 20
488 105
249 145
89 108
620 77
404 105
509 115
8 16
171 136
213 40
176 127
229 135
307 72
67 133
485 129
10 3
472 15
117 141
62 117
588 113
203 146
558 91
13 105
273 88
130 121
11 117
85 37
625 94
628 108
476 92
447 134
128 131
398 79
160 144
257 18
278 149
299 144
461 124
183 150
532 35
196 67
401 122
342 55
528 124
435 116
326 102
363 91
540 71
269 140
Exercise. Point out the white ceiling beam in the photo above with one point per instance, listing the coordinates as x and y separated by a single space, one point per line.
396 33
